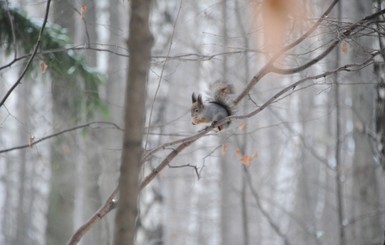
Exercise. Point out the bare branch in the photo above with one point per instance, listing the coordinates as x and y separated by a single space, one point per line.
185 143
307 65
105 209
96 48
29 145
37 45
188 165
267 67
345 34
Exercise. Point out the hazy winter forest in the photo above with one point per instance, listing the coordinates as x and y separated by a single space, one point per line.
97 144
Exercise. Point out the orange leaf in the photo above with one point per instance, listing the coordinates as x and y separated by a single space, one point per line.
83 10
66 149
254 156
242 126
43 67
344 47
30 140
238 152
223 149
247 159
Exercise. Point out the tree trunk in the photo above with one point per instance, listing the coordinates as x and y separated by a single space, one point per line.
379 68
139 45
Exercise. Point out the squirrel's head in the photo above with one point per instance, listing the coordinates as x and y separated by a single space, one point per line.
197 109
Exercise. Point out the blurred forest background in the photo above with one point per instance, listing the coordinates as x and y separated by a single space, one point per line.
306 168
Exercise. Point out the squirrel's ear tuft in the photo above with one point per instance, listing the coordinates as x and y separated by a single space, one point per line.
194 98
200 99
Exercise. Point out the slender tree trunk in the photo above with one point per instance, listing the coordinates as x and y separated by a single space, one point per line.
88 197
24 205
62 184
231 228
366 205
338 174
244 138
139 45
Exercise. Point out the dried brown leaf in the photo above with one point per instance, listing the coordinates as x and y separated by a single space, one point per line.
83 10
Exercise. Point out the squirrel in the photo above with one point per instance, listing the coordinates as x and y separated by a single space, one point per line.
219 106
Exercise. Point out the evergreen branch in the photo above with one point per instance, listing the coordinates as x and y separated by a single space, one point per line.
37 45
66 64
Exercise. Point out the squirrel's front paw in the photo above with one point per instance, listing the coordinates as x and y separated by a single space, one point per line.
220 127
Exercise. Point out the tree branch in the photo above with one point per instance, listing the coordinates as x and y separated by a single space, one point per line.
105 209
185 143
29 145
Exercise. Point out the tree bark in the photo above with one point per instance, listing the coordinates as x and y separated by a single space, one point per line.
139 45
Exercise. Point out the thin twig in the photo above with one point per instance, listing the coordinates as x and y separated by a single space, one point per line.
188 165
161 76
183 57
262 209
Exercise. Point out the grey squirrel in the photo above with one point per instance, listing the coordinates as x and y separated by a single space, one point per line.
219 106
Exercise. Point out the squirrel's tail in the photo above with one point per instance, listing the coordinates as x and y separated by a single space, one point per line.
222 90
222 95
